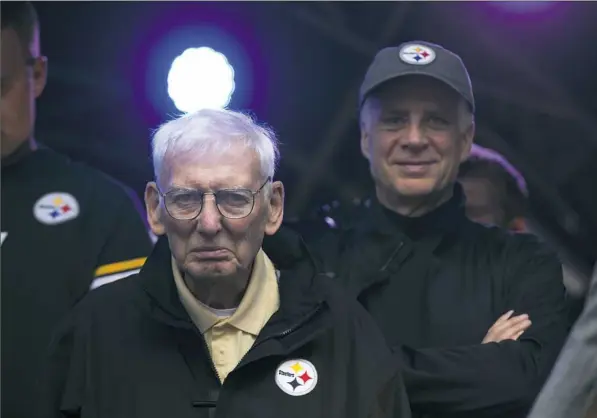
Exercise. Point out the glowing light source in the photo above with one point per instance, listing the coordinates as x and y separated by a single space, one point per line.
200 78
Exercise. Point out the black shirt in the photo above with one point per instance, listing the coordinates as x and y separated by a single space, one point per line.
64 227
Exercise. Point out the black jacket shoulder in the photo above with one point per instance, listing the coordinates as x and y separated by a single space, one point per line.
83 177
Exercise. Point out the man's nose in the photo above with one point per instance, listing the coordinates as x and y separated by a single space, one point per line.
415 136
210 218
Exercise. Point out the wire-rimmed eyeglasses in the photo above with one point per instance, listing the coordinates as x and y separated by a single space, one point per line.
186 204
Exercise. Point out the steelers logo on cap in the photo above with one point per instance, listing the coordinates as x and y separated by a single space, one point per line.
416 54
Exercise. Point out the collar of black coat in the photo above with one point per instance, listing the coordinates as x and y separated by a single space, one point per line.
443 220
301 291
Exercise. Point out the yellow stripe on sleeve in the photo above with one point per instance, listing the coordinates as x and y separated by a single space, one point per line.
120 266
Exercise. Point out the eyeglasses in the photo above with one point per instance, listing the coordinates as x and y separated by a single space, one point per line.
186 204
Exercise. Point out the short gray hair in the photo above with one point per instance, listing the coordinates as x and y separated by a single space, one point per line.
214 132
465 116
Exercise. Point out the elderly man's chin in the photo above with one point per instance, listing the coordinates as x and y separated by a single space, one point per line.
211 268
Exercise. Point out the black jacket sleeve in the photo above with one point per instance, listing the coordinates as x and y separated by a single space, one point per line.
498 379
126 244
391 400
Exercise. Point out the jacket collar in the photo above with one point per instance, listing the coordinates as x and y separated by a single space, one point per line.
432 227
300 291
157 281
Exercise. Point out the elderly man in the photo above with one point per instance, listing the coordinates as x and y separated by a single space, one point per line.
211 326
476 313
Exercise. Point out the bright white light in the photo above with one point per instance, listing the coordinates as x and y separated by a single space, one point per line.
200 78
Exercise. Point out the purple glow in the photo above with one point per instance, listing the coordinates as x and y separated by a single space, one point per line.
170 29
520 7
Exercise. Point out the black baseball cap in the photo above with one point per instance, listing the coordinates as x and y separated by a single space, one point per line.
418 58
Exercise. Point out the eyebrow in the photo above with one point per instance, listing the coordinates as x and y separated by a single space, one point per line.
394 112
402 112
197 187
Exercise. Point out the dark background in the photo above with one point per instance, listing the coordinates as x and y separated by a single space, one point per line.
298 67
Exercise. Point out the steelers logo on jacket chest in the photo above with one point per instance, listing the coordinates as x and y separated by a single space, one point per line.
296 377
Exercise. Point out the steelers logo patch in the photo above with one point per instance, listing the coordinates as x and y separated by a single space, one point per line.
417 54
56 208
296 377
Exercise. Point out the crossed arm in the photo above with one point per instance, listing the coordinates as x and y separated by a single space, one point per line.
501 375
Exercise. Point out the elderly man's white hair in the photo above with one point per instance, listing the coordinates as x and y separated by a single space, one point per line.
212 132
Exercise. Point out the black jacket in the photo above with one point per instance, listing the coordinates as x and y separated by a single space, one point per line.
435 285
130 350
52 251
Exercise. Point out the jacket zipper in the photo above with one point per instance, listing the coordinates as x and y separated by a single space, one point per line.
211 361
207 404
293 328
392 256
301 323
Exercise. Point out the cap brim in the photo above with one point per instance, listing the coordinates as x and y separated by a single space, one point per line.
412 72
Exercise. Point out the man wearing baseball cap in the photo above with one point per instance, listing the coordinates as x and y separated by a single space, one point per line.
476 314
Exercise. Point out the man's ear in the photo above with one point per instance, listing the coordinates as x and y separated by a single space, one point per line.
40 75
276 208
152 206
368 118
467 140
365 138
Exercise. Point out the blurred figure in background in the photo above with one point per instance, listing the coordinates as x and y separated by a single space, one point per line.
572 386
65 227
496 193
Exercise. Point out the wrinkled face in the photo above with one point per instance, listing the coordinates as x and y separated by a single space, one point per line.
414 141
212 246
482 201
23 80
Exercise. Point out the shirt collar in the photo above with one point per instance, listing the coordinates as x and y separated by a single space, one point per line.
259 303
261 299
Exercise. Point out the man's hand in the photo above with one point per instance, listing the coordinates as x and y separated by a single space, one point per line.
507 328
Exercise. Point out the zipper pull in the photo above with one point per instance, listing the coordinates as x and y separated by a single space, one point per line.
392 256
